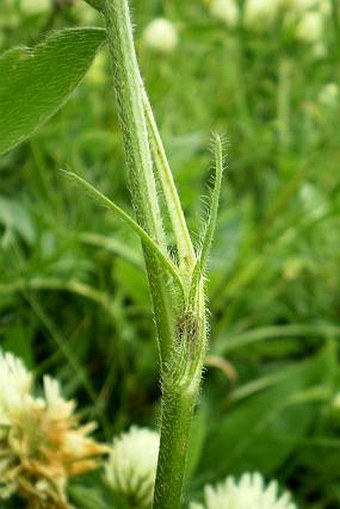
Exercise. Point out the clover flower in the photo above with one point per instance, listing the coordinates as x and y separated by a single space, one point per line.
249 493
310 28
131 467
226 11
41 442
260 12
329 95
161 36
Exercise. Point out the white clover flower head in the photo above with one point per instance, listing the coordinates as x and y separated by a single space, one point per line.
226 11
15 385
161 36
301 6
319 50
310 27
329 95
260 12
131 467
42 443
249 493
33 7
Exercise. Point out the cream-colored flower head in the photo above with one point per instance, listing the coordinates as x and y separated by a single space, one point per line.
226 11
260 13
310 28
15 387
329 95
161 36
249 493
41 442
131 468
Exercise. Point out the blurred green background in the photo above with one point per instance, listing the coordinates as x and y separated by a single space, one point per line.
73 295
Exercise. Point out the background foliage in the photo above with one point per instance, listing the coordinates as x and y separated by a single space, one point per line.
73 295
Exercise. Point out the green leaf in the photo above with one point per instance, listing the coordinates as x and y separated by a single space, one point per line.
185 248
96 4
87 497
99 5
262 431
209 229
167 263
36 82
198 434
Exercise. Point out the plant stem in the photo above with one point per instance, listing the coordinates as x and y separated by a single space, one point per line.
177 412
139 161
181 383
181 325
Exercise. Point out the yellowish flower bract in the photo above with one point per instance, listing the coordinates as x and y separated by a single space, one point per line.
42 443
131 467
250 492
161 36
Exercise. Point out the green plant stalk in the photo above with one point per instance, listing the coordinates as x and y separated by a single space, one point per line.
181 384
139 162
181 325
177 407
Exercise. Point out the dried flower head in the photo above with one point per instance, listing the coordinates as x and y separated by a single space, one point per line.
131 468
41 441
249 493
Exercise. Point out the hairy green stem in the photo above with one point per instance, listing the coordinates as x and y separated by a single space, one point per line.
138 156
177 413
181 323
181 384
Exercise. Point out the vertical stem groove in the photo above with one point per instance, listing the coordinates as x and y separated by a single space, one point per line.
186 252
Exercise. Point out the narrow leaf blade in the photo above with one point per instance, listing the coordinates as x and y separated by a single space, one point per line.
209 230
144 236
36 82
